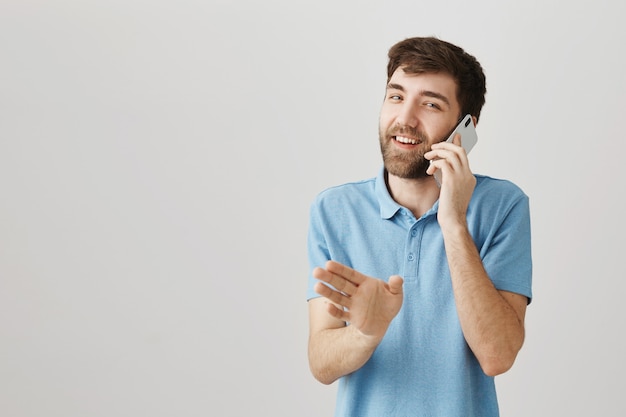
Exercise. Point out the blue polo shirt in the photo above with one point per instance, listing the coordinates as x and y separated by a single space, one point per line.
423 366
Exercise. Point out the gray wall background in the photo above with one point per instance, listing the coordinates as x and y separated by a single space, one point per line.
158 158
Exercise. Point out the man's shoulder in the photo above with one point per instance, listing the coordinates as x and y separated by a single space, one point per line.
503 187
495 196
348 190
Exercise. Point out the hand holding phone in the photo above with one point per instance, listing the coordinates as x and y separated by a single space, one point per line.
468 138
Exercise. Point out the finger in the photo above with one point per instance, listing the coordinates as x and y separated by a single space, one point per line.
338 313
456 140
454 145
339 283
345 272
440 153
452 163
432 167
332 295
395 284
439 158
454 156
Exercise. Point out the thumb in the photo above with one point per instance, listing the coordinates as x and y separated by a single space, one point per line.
395 284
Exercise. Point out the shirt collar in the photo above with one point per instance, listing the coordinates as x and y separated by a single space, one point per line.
388 206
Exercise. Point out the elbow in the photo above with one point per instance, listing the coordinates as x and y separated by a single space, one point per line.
499 360
325 381
322 375
319 369
322 370
496 366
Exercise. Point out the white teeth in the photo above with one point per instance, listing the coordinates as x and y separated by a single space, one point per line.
402 139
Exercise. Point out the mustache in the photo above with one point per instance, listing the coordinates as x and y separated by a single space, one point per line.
404 130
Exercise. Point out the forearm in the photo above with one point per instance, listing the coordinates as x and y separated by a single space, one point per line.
492 327
336 352
369 304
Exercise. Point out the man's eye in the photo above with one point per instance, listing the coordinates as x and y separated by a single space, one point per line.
395 97
433 105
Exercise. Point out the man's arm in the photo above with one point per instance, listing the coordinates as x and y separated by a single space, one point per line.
492 321
367 303
335 349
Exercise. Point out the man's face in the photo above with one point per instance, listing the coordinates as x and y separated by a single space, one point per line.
418 110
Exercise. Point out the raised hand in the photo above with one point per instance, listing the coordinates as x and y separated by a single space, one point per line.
369 304
458 182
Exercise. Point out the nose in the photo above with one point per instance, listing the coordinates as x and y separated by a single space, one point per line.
407 115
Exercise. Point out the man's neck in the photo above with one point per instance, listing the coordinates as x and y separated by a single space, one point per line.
418 195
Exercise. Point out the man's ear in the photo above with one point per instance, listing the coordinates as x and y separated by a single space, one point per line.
475 120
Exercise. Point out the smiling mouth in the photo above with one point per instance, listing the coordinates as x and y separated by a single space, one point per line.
407 141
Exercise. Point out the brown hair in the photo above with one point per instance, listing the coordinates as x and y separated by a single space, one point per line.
420 55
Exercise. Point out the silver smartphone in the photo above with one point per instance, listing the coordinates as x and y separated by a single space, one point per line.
468 133
468 138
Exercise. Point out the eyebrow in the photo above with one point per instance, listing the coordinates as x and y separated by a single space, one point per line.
425 93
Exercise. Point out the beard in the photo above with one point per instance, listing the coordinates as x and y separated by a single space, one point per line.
404 164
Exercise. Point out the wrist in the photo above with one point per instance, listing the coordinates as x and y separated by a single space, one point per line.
453 227
366 341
